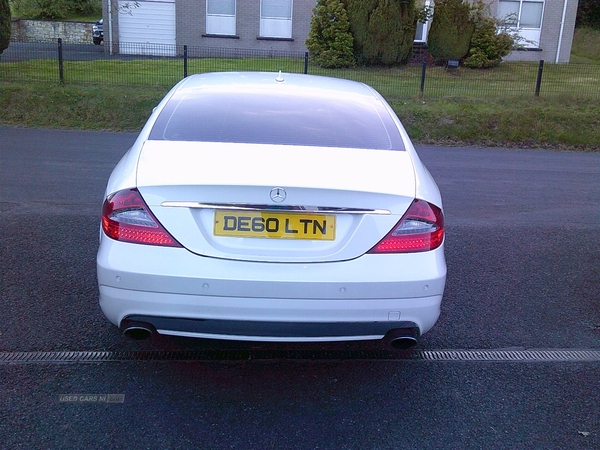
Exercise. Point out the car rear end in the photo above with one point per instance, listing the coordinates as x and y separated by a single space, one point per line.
295 236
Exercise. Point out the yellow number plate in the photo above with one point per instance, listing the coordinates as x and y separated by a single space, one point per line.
278 225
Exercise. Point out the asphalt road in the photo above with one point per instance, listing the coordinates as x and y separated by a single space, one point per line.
523 258
23 51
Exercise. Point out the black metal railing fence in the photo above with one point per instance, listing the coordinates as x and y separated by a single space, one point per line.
165 65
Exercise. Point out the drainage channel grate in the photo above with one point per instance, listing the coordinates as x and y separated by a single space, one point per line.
512 355
549 355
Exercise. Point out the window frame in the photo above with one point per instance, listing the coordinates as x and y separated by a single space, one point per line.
530 35
219 24
273 27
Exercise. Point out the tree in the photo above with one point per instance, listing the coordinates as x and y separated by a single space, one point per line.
57 9
451 29
329 40
83 7
588 14
51 9
5 20
383 30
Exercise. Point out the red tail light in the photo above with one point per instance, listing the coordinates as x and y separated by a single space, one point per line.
125 217
421 229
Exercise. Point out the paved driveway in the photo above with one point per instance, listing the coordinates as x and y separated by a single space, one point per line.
523 259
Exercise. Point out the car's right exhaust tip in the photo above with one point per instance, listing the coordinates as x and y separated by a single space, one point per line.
138 331
402 338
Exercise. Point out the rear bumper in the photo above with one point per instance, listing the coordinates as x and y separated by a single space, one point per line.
263 319
274 331
183 294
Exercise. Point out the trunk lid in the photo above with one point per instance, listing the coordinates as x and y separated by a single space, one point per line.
331 204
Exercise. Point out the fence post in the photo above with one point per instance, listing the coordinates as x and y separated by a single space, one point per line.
61 74
305 63
185 62
423 70
538 83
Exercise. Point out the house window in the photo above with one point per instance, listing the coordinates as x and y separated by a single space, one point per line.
220 17
276 19
525 16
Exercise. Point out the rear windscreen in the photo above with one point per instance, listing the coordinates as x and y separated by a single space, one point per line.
269 118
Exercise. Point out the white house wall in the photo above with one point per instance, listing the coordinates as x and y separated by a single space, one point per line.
550 35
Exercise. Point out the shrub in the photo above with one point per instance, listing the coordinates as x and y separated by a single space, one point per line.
56 9
383 30
329 40
85 7
488 47
43 9
451 29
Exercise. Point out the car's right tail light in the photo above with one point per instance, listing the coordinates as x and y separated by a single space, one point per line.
421 229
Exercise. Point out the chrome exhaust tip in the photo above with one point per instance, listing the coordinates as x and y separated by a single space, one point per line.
138 331
402 338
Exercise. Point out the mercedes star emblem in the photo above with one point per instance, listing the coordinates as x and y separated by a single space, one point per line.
278 194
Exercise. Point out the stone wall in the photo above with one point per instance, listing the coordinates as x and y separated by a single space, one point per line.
48 30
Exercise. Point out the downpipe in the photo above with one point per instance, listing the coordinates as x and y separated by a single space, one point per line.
138 331
402 338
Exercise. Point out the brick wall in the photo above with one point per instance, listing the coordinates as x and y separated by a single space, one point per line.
46 30
191 26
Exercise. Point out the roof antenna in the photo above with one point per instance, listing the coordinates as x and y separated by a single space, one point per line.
279 78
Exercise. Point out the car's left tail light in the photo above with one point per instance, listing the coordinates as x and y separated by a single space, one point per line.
421 229
126 218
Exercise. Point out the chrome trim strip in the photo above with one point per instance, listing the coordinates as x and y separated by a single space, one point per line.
287 208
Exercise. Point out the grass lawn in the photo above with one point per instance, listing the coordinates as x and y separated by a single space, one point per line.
510 80
558 123
493 107
586 46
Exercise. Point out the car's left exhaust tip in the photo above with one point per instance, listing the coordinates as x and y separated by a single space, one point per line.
138 331
402 338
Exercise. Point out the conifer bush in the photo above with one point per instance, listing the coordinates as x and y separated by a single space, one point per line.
451 29
329 40
383 30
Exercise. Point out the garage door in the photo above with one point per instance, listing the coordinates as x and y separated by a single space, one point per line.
147 27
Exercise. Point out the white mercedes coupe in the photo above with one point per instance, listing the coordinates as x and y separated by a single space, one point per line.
272 207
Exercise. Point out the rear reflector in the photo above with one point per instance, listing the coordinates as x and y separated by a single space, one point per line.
421 229
126 218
